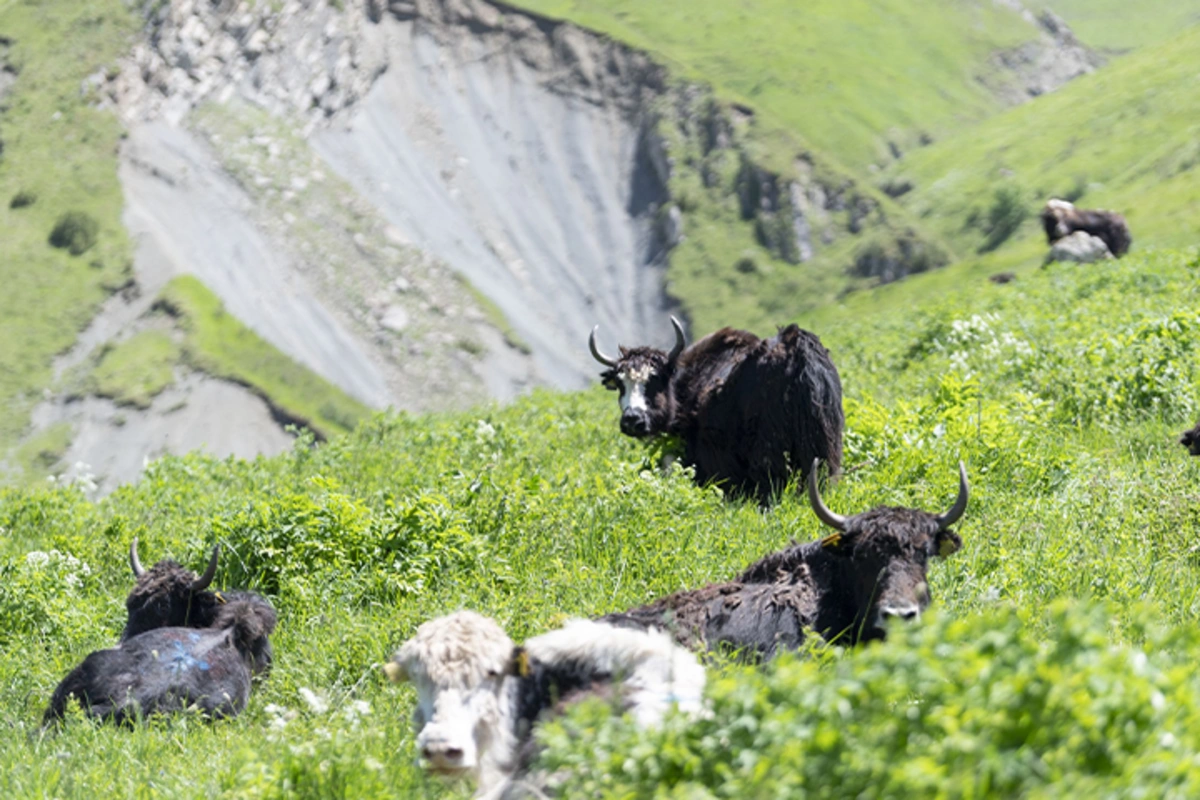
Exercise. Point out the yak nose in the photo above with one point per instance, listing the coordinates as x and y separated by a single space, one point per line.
634 424
442 755
908 611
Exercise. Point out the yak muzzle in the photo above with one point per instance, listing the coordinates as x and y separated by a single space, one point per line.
635 423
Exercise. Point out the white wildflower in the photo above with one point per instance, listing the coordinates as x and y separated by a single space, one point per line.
37 559
317 703
484 432
356 710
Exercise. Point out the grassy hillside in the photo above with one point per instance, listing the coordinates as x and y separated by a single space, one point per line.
1126 138
58 156
1060 654
841 75
1117 25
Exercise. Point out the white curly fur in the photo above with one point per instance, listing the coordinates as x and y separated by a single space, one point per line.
467 703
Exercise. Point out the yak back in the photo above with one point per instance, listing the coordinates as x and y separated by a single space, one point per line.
752 411
749 621
165 670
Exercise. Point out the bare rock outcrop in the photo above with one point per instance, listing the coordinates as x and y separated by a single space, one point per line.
1080 247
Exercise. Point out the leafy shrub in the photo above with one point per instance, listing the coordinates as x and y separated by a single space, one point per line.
23 198
1002 704
75 231
1006 213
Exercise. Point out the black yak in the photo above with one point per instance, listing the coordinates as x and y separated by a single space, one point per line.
844 587
749 411
479 695
1060 219
167 595
173 669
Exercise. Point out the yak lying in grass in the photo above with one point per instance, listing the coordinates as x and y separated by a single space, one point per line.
173 669
183 645
749 411
479 695
844 587
1061 218
167 595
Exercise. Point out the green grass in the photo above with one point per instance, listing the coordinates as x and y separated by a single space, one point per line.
841 75
217 343
42 452
1117 26
1060 652
59 148
1126 138
134 371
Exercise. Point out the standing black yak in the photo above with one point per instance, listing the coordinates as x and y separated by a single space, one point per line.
749 411
172 669
843 587
1061 218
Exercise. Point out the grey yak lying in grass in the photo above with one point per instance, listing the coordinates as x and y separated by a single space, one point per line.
845 586
183 646
479 695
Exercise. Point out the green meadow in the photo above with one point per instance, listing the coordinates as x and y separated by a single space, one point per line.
1058 652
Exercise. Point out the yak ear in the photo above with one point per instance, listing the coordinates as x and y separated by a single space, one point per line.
395 672
837 544
518 663
948 543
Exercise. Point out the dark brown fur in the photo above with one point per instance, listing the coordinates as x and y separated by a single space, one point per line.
1191 440
841 587
1109 226
751 412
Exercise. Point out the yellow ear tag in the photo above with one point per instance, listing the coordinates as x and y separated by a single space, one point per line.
393 672
831 542
523 668
220 597
947 547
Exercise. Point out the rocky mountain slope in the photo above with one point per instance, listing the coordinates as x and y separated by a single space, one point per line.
431 203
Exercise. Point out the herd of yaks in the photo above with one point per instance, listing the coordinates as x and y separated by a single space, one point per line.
750 413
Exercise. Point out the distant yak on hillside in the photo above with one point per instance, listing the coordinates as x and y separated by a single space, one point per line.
750 411
1060 219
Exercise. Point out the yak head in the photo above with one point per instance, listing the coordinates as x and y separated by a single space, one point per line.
167 595
886 552
465 718
642 376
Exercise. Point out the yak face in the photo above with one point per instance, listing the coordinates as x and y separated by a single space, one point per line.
642 375
888 552
167 595
459 665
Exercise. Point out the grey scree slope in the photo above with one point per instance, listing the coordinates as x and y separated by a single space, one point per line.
542 200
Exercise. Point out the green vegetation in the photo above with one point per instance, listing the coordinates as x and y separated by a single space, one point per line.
75 232
134 371
1126 137
61 151
1115 25
40 453
845 75
1059 654
217 343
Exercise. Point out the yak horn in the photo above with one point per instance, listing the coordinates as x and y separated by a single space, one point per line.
134 562
596 354
680 339
835 521
960 504
201 583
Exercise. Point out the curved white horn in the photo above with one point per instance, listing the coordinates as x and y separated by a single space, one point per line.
134 562
680 339
596 354
835 521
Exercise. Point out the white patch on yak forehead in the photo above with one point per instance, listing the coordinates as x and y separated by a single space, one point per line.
634 380
458 650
